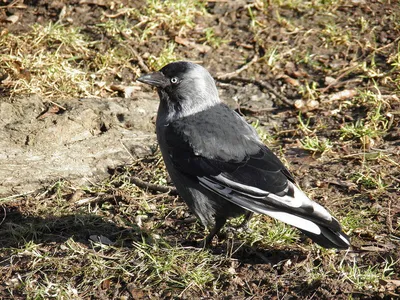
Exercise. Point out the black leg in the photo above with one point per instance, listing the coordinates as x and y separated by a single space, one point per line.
219 223
244 225
247 217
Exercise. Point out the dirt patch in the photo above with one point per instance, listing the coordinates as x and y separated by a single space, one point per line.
76 140
318 79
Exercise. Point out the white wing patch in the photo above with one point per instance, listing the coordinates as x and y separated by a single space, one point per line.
293 220
228 188
242 187
301 200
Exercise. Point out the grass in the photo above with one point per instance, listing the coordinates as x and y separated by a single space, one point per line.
147 253
270 233
212 39
264 135
316 145
47 250
173 15
166 56
57 60
48 274
374 125
147 260
334 35
363 277
369 181
367 277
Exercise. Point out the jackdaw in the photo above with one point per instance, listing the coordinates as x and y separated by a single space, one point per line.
218 163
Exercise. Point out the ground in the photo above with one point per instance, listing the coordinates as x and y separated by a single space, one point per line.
319 80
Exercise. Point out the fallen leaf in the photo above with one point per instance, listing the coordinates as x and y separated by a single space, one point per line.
312 104
135 292
329 80
391 281
289 80
126 90
299 104
50 111
105 285
76 196
13 19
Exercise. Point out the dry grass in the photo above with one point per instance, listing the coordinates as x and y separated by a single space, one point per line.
50 239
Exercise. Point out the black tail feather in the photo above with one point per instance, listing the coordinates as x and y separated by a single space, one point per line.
329 238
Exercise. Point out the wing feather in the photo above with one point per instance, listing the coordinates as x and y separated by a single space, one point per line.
235 165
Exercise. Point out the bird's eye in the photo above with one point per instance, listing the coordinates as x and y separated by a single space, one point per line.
174 80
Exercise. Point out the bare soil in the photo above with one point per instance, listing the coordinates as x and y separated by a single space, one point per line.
340 60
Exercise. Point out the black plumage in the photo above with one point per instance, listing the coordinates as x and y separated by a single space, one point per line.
219 165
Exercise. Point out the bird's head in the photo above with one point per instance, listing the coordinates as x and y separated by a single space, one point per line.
184 88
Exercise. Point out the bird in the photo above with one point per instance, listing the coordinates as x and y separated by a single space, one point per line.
220 166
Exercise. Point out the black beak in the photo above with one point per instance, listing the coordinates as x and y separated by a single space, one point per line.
156 79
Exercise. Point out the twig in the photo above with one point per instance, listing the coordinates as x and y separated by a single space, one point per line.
389 216
88 200
127 150
337 82
153 187
228 76
10 198
138 57
14 4
253 112
5 214
394 178
262 85
58 105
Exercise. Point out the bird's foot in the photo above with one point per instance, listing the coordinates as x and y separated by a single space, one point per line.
243 228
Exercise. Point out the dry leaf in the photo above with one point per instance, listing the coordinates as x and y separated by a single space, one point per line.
50 111
105 285
13 19
299 104
289 80
135 292
127 90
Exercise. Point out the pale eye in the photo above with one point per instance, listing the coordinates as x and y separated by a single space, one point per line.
174 80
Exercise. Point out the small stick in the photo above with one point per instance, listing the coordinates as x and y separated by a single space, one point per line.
138 57
228 76
389 216
263 85
58 105
153 187
5 214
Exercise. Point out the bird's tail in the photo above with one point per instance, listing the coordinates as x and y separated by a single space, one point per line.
315 221
329 238
327 235
293 208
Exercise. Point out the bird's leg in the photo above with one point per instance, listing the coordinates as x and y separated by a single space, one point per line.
245 223
219 223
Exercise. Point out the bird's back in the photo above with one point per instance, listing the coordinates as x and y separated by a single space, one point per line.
201 129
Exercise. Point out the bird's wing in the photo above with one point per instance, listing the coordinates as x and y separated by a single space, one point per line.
230 161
